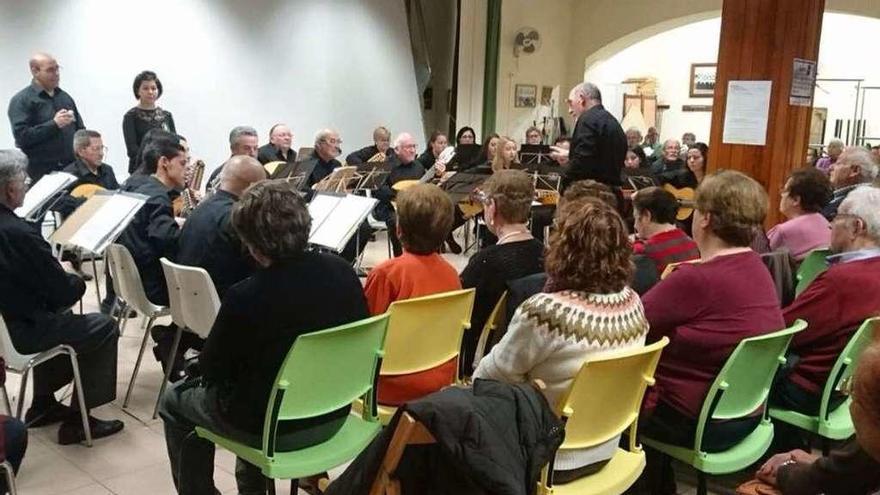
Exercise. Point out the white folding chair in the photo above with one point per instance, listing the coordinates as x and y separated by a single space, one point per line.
130 291
194 307
9 473
24 363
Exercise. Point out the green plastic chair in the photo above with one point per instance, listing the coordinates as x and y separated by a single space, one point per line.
837 423
813 265
323 372
740 389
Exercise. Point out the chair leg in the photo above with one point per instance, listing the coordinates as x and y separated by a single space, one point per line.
10 477
22 388
270 487
826 446
96 279
137 363
701 483
80 396
168 365
294 486
6 401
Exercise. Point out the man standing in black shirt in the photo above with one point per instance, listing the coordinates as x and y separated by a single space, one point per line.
278 149
44 118
598 144
35 296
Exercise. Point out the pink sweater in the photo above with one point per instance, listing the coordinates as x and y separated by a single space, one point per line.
800 235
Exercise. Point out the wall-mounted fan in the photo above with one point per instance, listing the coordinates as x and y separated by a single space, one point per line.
527 41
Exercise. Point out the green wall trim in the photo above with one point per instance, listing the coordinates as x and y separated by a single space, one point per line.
490 81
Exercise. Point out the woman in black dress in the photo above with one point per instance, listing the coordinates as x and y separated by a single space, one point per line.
145 115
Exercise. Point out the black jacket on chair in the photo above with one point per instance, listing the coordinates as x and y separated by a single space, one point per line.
493 438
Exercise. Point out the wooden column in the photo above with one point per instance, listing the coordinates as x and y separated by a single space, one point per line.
759 41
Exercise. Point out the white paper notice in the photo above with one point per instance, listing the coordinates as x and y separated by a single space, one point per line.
106 223
746 115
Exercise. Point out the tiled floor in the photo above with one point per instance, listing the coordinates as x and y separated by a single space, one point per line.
134 462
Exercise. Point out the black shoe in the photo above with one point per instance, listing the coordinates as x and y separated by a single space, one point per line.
71 431
56 412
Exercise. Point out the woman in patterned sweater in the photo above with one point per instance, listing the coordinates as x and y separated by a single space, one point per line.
586 310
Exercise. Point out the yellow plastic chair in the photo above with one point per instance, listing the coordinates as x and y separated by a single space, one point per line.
604 401
424 333
492 324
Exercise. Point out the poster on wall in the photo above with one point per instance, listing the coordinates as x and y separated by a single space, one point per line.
803 80
702 82
747 112
526 96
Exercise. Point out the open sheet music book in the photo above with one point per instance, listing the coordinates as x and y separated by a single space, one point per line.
41 193
335 218
99 221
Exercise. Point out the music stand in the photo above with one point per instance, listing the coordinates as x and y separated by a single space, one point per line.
338 180
296 173
304 153
462 184
372 174
465 155
536 154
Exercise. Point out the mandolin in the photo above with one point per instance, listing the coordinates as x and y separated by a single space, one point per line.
444 157
85 190
188 199
685 198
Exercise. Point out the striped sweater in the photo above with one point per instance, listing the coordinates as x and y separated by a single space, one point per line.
550 337
672 246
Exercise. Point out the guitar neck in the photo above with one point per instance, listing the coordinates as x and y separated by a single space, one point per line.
429 174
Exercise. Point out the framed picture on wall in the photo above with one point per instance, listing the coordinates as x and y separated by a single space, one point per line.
703 80
525 96
546 95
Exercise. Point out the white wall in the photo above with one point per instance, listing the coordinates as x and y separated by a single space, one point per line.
345 64
471 66
667 57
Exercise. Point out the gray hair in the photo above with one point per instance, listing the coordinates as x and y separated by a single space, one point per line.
635 130
239 131
403 136
590 91
322 135
13 163
676 141
856 155
862 202
836 142
83 138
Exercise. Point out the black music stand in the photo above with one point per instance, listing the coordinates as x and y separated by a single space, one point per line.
372 174
534 154
296 173
465 156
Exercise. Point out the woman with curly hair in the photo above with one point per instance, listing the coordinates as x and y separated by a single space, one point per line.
586 310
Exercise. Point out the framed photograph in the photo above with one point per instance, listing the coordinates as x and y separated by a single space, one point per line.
703 80
546 95
525 96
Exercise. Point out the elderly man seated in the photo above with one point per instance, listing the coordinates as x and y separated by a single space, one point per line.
835 304
669 161
854 167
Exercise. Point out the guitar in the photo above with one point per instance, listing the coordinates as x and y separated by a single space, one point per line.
685 198
188 200
444 157
85 190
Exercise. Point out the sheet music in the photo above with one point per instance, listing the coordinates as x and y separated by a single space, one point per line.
338 227
320 208
42 191
107 222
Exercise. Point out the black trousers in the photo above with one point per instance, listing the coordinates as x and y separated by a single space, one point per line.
93 336
389 216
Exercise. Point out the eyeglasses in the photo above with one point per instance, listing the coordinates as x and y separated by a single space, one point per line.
99 148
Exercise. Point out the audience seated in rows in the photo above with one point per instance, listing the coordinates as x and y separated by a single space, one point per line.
424 217
293 292
658 238
854 167
806 192
706 309
585 310
835 304
853 468
509 196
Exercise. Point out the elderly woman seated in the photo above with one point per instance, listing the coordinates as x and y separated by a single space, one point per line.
806 192
706 309
585 310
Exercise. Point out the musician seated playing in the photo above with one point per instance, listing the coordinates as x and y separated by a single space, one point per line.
405 167
424 214
35 296
327 143
278 149
657 237
377 152
509 196
92 174
293 292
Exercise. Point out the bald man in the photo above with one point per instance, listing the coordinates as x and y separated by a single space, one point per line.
207 239
44 119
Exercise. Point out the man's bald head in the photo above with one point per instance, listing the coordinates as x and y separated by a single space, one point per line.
45 70
239 173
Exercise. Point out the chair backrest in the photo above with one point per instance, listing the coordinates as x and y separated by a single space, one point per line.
605 397
847 361
127 280
199 302
14 359
426 332
173 293
743 383
331 368
496 318
813 265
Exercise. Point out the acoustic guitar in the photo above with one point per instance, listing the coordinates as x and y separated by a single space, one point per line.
685 198
85 190
444 157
